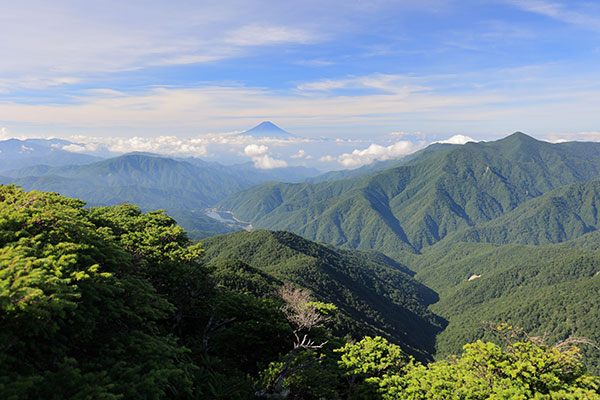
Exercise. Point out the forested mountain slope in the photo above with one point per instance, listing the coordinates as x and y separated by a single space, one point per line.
555 299
183 188
547 290
377 295
113 303
420 202
559 215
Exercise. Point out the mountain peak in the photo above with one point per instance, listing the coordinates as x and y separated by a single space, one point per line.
517 140
267 129
520 136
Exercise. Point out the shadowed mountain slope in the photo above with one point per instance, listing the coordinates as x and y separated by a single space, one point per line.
559 215
376 293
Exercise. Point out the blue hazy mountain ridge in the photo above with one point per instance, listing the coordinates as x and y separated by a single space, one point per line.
289 174
15 153
185 189
269 130
426 197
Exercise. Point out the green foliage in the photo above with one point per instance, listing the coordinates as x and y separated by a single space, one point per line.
524 370
548 290
372 357
317 381
237 276
367 362
374 294
75 321
559 215
113 303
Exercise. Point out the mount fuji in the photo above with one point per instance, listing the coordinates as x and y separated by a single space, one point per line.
267 129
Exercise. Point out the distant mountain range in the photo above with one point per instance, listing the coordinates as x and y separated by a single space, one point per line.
15 153
504 231
423 199
183 188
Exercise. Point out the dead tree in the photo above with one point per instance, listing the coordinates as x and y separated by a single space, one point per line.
303 315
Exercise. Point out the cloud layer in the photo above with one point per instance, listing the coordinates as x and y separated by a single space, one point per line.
160 77
372 153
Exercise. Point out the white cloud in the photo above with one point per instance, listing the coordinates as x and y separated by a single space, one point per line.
327 158
81 43
253 150
168 145
261 158
267 162
301 154
373 153
563 106
457 139
162 145
4 134
81 148
593 136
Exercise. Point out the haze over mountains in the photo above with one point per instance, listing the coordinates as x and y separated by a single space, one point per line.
15 153
184 188
518 215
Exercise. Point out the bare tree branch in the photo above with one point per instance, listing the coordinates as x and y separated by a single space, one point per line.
303 316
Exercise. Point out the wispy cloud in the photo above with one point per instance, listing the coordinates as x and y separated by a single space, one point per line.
593 136
315 63
583 14
63 43
432 103
36 82
389 83
261 35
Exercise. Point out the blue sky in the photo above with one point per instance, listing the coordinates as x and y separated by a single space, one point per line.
357 80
